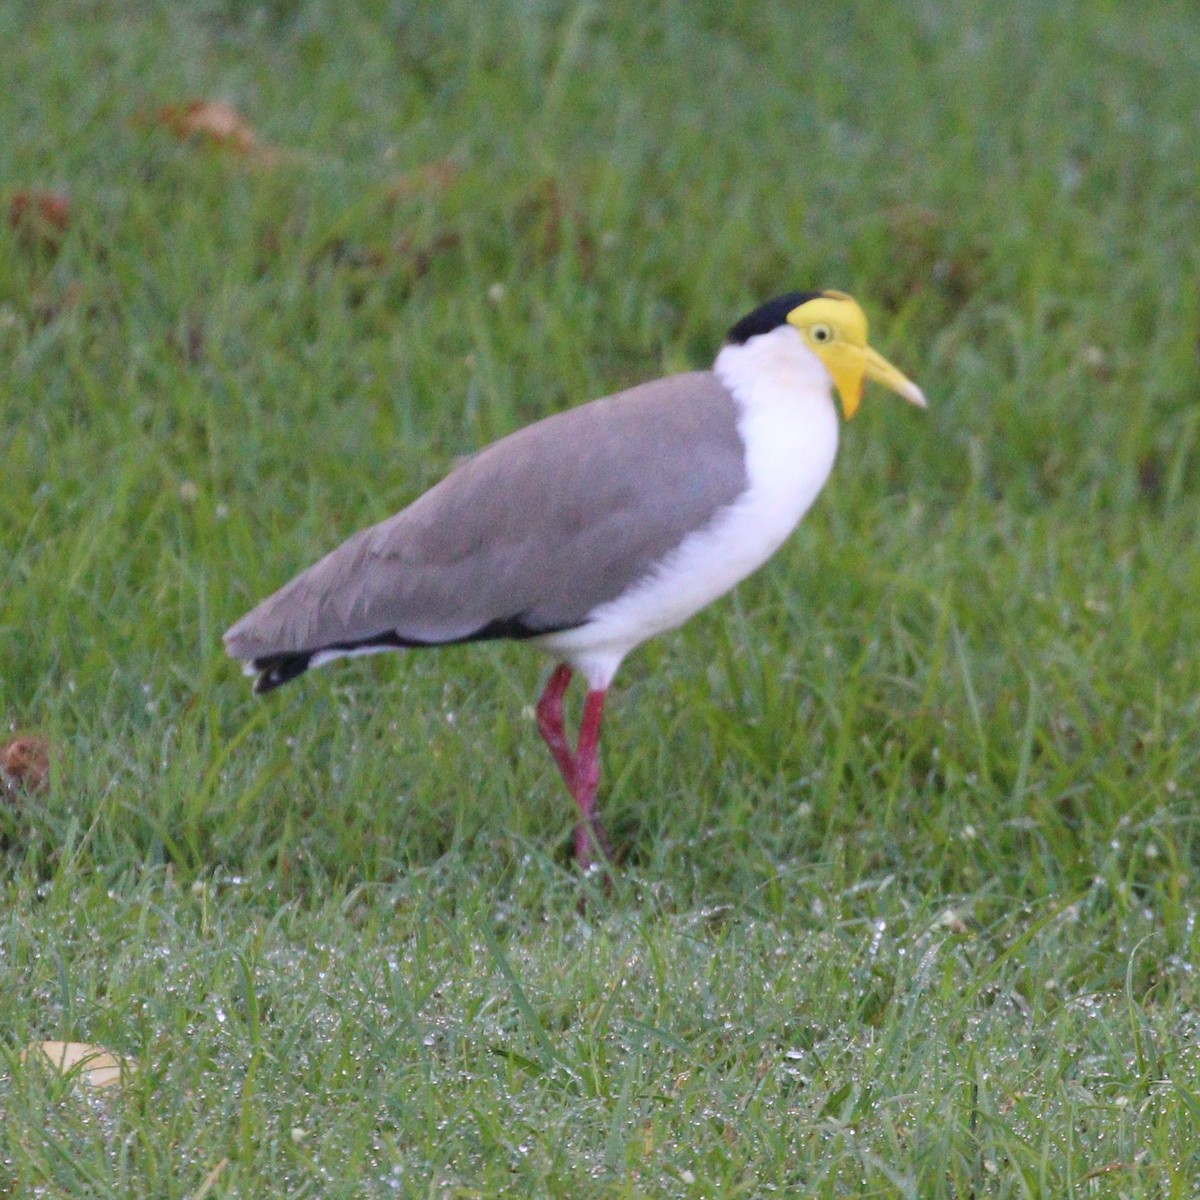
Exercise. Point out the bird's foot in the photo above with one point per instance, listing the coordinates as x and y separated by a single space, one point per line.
593 849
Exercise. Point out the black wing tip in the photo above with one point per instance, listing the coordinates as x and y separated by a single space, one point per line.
277 669
274 670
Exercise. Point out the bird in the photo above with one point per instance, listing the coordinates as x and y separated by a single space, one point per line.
596 528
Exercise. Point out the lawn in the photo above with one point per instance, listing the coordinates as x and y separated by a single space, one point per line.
908 899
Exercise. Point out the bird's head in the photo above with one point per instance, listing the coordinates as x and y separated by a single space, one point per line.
834 328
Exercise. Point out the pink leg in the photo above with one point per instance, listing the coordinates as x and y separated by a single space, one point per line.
580 769
550 722
591 842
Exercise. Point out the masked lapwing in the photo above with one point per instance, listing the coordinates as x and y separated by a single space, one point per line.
592 530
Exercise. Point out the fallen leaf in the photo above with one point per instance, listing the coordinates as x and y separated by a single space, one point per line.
216 122
24 765
39 215
95 1066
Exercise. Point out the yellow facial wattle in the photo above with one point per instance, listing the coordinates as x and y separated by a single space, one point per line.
834 328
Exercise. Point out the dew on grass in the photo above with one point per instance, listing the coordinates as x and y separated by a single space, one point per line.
879 928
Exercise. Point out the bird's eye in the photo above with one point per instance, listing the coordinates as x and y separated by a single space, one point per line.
822 333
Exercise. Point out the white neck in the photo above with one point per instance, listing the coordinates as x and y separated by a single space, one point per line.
776 360
788 424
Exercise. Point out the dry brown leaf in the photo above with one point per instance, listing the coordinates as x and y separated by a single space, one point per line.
95 1066
216 122
40 215
24 765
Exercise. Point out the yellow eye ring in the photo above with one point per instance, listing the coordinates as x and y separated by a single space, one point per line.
822 333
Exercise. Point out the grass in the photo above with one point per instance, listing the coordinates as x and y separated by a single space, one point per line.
909 903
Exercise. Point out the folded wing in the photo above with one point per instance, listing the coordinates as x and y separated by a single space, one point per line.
526 537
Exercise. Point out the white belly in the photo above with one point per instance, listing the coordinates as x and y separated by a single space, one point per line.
790 432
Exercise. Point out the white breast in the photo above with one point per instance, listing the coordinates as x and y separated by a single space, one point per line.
790 431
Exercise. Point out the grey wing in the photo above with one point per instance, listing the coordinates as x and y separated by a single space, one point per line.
528 536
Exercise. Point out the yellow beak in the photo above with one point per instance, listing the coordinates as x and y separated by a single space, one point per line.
854 366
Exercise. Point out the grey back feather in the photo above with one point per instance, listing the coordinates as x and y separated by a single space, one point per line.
539 528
